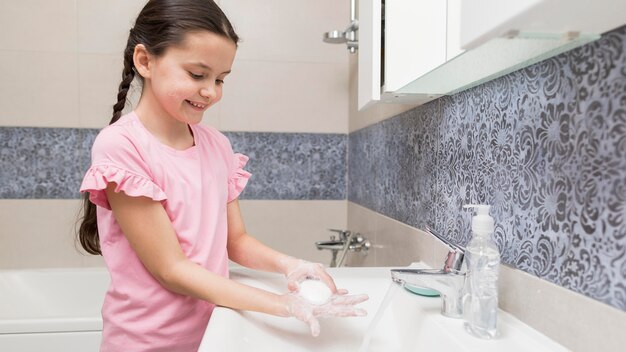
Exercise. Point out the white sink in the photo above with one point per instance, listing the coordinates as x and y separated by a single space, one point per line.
409 323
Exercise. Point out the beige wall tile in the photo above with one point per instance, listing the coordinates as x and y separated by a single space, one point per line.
38 89
285 97
285 79
35 25
103 25
288 31
360 220
99 77
290 80
393 243
400 245
38 234
293 226
573 320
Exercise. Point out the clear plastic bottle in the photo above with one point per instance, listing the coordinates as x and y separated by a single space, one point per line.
480 307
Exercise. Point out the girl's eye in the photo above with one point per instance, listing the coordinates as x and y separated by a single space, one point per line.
195 76
219 81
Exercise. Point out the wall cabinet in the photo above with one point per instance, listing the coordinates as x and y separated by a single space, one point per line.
414 51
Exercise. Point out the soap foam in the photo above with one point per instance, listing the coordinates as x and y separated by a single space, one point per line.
315 291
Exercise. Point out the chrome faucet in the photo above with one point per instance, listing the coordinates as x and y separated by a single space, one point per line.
348 241
449 281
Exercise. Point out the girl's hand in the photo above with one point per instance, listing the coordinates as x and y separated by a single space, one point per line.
336 306
298 270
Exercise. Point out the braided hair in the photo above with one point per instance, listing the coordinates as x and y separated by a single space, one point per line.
160 25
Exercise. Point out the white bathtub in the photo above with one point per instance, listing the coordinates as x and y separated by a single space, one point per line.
51 309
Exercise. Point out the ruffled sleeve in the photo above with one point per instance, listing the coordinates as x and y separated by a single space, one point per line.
98 177
115 157
238 177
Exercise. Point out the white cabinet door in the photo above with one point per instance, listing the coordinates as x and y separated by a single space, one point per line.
369 53
453 38
415 40
415 43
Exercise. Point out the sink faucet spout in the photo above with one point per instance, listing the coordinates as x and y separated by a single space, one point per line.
449 283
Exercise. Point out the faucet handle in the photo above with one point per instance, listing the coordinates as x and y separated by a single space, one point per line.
343 234
456 253
446 242
454 261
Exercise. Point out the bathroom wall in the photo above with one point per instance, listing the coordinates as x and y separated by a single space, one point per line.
285 105
545 146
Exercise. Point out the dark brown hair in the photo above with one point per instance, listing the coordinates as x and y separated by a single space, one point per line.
160 25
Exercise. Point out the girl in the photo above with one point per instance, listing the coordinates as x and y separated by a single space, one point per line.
162 206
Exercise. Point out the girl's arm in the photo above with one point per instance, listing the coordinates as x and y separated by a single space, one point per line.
149 231
147 227
249 252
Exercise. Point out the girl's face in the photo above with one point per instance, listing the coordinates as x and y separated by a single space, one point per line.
187 79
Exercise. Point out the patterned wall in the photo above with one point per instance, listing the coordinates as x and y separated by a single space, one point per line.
40 163
303 166
545 146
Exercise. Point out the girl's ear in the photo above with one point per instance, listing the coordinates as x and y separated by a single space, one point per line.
141 59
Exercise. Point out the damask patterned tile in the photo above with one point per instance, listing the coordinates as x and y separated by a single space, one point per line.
293 165
545 146
364 149
39 162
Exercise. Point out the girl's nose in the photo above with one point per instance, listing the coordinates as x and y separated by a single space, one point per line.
208 92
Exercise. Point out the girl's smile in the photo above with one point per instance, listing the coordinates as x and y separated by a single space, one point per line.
199 106
186 80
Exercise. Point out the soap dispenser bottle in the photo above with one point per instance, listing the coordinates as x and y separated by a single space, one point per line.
480 307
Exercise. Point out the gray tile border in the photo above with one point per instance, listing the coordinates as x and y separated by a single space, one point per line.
49 163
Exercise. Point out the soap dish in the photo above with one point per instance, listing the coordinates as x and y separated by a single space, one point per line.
421 291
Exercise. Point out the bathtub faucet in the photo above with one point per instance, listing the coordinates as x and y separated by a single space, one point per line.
449 281
347 241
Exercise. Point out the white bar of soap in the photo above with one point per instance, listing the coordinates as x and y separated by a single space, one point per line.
315 291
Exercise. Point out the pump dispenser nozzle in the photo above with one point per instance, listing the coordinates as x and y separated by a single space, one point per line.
482 222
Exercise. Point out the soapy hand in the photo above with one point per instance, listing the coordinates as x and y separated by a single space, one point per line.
337 306
298 270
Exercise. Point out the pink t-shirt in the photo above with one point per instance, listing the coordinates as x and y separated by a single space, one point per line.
194 186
